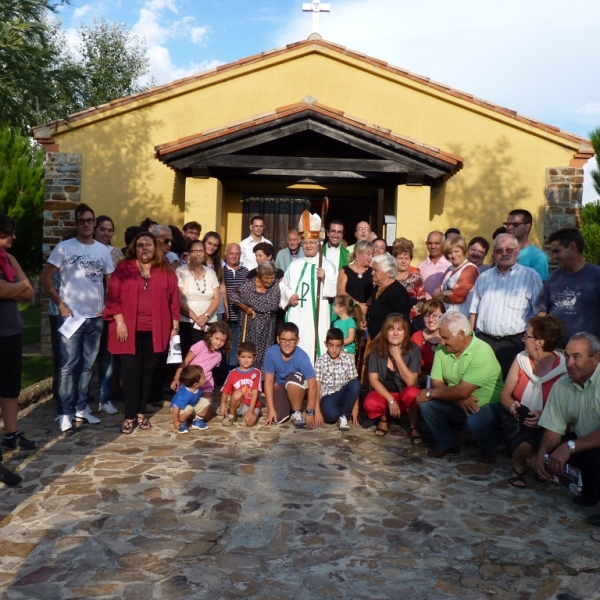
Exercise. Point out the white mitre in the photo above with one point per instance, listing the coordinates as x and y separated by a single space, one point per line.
309 226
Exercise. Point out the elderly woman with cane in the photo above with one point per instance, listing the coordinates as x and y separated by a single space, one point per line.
259 299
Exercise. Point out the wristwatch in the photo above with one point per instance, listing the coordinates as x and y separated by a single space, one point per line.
310 413
428 394
207 315
571 445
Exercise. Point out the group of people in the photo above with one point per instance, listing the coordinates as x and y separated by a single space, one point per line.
320 332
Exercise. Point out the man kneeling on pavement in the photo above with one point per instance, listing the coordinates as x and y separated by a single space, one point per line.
571 420
466 381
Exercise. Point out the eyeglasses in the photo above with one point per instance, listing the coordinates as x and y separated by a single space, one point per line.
525 336
196 251
514 224
363 229
288 340
500 251
432 316
167 241
85 221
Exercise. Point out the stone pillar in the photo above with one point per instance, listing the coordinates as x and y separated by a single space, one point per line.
412 216
564 192
203 202
62 194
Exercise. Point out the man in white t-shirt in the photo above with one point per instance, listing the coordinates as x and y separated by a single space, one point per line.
257 226
85 266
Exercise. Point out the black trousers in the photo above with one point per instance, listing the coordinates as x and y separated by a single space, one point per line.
137 374
189 336
505 349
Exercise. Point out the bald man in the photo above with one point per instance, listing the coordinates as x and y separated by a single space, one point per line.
362 232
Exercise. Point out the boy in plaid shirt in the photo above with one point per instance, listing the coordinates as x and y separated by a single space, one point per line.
338 386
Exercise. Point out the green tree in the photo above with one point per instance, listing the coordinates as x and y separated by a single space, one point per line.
113 62
33 73
22 195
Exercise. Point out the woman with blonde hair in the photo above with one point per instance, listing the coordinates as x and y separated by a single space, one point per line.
457 286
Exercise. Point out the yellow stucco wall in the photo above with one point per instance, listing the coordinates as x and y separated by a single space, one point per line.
505 161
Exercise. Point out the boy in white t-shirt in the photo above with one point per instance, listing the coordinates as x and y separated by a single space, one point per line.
85 267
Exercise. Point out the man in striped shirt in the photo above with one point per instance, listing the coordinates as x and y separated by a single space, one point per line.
503 302
234 275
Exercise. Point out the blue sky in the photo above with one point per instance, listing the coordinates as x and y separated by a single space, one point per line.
538 57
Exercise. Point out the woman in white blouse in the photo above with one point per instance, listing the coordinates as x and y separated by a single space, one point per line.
199 297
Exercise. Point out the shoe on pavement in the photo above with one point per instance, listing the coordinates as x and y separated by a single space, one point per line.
228 420
487 459
183 428
108 407
435 453
298 420
199 424
9 478
343 423
86 417
587 501
64 423
17 440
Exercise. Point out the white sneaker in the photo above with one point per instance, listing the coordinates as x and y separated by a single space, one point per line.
86 417
88 409
108 407
64 422
343 423
298 420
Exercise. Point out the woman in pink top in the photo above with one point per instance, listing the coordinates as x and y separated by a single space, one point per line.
526 390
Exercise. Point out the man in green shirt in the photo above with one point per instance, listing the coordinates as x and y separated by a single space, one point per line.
574 403
466 382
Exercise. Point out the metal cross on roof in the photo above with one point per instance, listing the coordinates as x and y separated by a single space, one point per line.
316 8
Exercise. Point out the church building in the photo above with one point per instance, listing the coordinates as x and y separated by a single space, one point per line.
272 134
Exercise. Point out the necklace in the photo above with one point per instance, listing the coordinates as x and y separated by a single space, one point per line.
203 290
146 276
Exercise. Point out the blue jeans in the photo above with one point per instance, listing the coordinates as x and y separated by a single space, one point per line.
106 367
340 403
76 357
232 360
442 417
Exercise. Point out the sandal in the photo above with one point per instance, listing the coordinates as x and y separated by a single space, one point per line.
380 431
143 423
127 426
415 439
518 481
229 420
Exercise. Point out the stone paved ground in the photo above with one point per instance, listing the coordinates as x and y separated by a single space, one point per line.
278 513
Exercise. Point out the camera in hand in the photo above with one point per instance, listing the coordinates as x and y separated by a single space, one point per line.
522 413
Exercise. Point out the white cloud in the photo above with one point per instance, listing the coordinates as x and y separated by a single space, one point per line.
157 27
80 12
537 57
591 109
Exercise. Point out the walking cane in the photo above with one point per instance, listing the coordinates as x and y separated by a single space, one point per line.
324 210
245 326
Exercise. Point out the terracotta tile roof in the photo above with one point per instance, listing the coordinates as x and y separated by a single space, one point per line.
162 151
121 102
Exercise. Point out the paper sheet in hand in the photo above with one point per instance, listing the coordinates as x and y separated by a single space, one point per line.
71 325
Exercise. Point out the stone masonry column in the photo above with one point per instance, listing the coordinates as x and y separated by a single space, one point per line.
62 194
412 216
564 192
203 202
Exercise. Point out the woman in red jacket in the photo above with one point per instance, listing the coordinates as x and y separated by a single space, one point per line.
142 307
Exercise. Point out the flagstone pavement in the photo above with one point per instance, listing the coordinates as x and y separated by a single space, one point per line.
278 513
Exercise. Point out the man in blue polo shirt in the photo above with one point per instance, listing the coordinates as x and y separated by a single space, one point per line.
288 374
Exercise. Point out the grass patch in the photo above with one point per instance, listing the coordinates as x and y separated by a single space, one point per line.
35 368
32 322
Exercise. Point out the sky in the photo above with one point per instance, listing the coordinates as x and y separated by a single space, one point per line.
538 57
